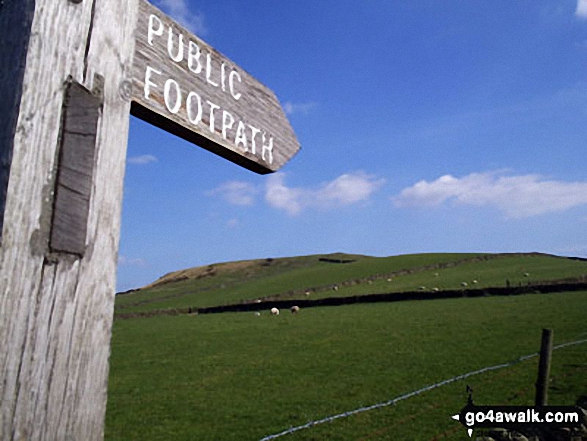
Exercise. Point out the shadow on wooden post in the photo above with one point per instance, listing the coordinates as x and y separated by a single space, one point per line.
544 368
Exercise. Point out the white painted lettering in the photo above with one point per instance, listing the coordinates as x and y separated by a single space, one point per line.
179 56
254 132
152 30
233 74
194 58
213 107
227 123
188 104
209 70
148 83
223 76
267 148
241 137
167 93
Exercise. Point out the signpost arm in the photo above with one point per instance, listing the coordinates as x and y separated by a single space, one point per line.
56 306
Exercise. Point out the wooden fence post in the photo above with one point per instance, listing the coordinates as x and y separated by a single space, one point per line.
65 95
544 368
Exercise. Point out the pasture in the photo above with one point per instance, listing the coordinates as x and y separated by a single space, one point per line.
290 278
235 376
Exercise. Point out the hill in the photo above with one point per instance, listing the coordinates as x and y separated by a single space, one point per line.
340 275
255 376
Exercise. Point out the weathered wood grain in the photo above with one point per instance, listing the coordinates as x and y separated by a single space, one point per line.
75 170
244 99
56 308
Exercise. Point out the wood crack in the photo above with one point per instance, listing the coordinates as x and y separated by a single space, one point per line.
88 41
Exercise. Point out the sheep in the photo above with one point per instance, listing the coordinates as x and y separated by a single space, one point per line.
274 311
390 280
295 309
464 284
257 314
435 289
475 282
307 293
422 288
526 274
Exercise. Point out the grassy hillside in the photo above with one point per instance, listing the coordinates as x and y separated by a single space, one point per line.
242 377
318 276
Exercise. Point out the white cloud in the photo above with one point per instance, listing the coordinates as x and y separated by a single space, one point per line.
304 108
236 193
279 196
125 261
516 196
347 189
581 10
179 11
142 159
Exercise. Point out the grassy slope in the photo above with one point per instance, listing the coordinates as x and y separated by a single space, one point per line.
241 377
489 273
226 278
283 275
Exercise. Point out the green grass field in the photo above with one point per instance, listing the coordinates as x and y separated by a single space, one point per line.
264 279
291 277
235 376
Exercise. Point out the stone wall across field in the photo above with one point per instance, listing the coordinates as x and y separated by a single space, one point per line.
546 288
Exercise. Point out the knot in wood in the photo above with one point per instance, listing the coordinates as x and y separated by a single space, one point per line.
125 90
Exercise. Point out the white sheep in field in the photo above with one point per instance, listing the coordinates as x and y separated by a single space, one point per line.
274 311
464 284
295 309
435 289
257 314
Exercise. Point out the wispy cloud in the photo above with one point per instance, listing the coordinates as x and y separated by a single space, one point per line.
232 223
304 108
179 10
516 196
347 189
581 11
236 193
142 159
576 250
126 261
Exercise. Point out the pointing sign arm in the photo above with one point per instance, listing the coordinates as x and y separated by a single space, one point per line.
186 87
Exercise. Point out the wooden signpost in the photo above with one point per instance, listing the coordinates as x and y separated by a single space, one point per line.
72 71
186 87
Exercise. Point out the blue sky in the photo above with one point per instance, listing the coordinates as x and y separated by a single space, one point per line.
425 126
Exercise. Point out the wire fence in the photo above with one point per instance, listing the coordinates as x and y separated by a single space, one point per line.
414 393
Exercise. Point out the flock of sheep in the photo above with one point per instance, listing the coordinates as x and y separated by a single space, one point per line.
275 311
296 309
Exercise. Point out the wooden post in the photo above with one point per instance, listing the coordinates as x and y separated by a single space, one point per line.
65 100
66 87
544 368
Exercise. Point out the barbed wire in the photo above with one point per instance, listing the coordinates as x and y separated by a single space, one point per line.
414 393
